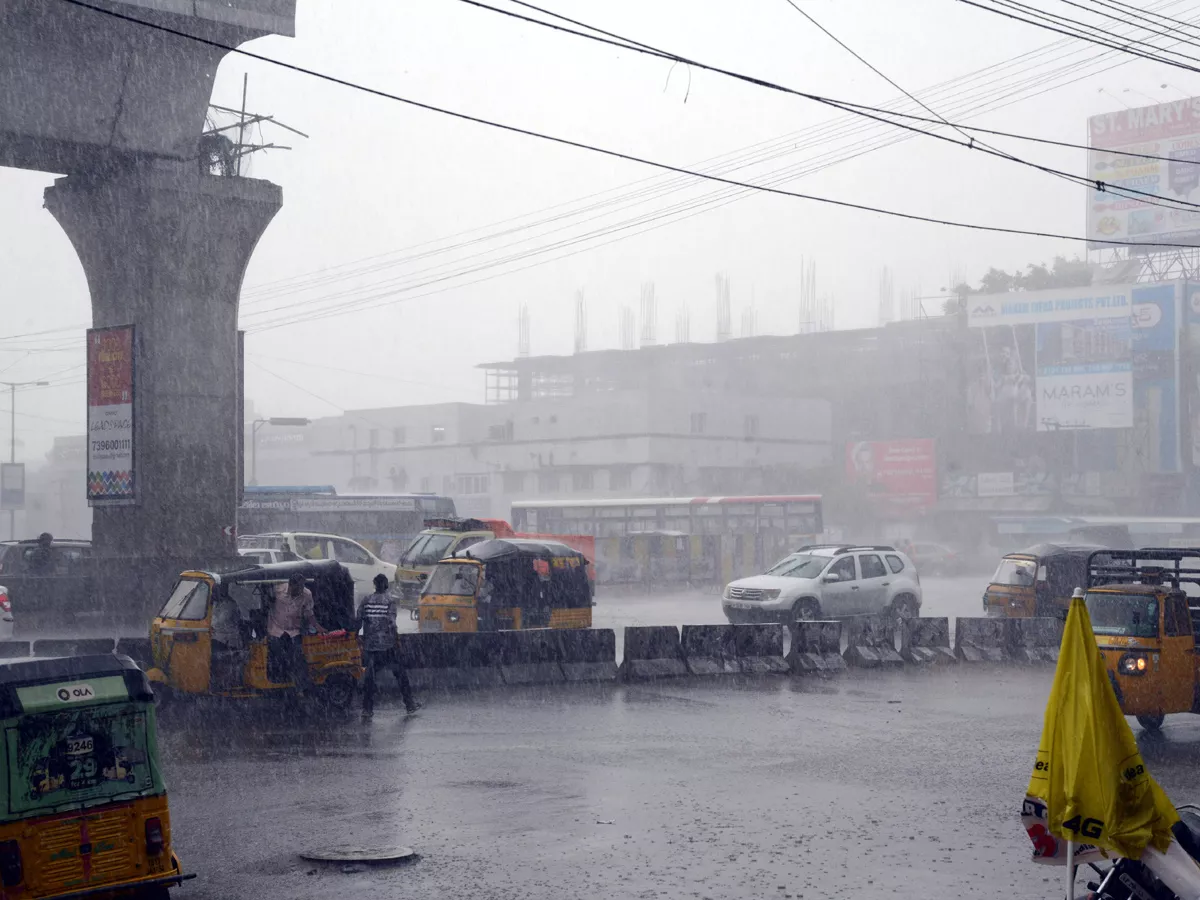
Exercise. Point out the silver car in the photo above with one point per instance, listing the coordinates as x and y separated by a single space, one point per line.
827 582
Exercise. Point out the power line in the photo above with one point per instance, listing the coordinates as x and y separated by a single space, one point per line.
615 154
736 195
858 109
1074 34
959 83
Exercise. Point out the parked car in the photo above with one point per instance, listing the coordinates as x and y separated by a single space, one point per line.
48 582
362 564
936 559
264 555
825 581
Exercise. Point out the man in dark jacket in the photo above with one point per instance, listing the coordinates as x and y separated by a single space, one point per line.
377 619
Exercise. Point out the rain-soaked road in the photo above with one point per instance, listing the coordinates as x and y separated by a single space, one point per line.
906 784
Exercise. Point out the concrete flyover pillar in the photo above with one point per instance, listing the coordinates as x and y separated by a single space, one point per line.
164 248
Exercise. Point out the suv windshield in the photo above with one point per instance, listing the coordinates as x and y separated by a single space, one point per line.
427 549
1015 572
1123 615
799 565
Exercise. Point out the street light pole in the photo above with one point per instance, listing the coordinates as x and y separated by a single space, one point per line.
12 439
259 423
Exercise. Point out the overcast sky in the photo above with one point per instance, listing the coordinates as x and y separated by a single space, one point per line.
379 185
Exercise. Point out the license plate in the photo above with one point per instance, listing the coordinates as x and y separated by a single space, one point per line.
740 604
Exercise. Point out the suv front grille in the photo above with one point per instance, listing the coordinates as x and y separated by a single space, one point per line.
737 593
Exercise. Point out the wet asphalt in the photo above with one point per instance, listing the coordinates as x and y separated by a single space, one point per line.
905 784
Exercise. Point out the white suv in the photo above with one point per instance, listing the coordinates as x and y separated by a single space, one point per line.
826 581
362 564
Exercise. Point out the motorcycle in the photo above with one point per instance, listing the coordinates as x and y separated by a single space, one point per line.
1174 875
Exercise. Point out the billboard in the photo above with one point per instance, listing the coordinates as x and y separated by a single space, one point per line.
110 449
1169 130
1048 360
902 474
12 485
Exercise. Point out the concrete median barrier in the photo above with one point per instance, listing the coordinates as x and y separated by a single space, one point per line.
710 649
925 641
871 642
652 651
1035 639
73 646
14 649
816 648
137 649
981 639
587 654
452 661
529 657
759 649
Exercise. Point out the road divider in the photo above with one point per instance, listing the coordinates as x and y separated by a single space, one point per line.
587 654
710 649
981 639
871 642
652 651
1035 640
926 641
529 657
816 648
759 649
448 661
14 649
73 646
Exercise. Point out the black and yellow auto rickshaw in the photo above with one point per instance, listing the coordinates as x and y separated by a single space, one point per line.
198 652
1037 581
508 583
84 809
1145 627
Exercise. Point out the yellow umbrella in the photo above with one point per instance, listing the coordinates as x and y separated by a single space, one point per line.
1090 786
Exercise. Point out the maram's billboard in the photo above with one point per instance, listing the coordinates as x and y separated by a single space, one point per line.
1170 131
1084 359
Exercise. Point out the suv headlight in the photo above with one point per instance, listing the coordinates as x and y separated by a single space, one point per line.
771 594
725 593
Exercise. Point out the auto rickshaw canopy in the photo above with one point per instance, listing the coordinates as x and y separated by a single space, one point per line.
529 572
331 584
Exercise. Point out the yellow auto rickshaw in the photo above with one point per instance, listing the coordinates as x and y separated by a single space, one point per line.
210 637
508 584
1037 581
84 809
1145 628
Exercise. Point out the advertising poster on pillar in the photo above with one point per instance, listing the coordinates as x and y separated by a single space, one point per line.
110 380
901 474
1156 397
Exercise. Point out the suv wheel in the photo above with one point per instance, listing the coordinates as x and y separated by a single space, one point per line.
806 610
905 607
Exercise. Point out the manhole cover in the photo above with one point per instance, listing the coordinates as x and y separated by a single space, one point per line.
351 854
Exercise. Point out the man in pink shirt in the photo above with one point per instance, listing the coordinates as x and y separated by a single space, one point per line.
290 613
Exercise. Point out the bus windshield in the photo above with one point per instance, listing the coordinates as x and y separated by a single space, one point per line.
458 580
1123 615
79 757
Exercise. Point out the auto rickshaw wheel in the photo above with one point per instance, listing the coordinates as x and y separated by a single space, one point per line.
1151 723
337 693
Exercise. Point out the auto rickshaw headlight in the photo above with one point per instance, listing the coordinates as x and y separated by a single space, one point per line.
1132 664
154 836
452 616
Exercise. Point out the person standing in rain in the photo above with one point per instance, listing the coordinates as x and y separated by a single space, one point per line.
377 619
